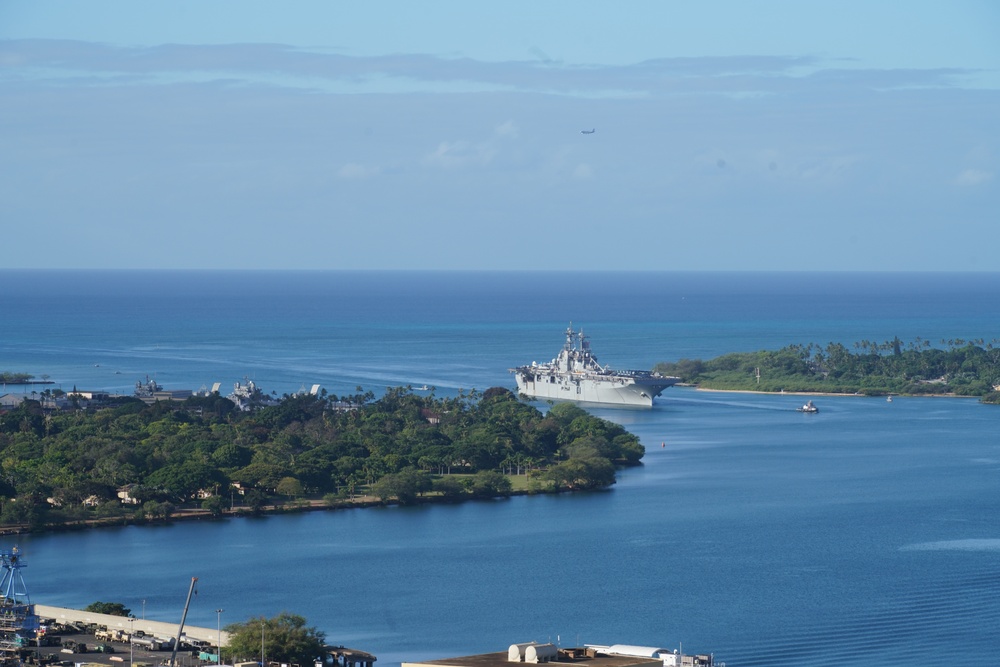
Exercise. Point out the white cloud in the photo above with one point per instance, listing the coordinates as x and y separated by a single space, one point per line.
508 129
354 170
828 168
452 154
972 177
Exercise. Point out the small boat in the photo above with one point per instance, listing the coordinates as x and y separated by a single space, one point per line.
808 407
888 399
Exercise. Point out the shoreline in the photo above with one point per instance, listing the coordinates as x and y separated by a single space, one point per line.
243 512
827 393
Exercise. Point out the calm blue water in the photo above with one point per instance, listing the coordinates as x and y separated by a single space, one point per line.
866 534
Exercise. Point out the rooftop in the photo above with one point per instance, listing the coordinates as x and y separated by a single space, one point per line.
500 660
575 657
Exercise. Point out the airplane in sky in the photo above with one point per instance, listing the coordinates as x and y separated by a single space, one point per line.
588 131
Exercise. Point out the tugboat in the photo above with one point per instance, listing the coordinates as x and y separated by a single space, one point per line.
575 375
809 408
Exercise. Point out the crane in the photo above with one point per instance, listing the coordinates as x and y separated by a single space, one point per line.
180 629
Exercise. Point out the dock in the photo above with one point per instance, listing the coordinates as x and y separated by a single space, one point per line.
130 625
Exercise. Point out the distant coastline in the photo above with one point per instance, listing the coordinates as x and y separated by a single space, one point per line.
819 393
9 377
955 367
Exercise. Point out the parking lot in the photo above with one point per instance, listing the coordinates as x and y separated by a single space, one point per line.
69 648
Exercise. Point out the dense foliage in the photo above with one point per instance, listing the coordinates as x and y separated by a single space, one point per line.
8 377
73 466
110 608
285 639
964 368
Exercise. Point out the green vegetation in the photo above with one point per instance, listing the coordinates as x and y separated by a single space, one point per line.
139 462
958 367
7 377
285 639
111 608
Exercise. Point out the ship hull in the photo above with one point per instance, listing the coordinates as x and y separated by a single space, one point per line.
575 375
607 390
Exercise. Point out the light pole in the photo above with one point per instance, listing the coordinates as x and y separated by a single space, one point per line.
262 664
218 613
131 635
144 609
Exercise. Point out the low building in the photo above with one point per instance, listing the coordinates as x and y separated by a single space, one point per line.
590 655
125 495
169 395
89 395
349 657
10 401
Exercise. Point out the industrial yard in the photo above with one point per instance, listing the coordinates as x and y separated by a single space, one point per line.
70 646
33 634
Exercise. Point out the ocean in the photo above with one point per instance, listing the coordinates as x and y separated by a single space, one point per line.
865 534
105 330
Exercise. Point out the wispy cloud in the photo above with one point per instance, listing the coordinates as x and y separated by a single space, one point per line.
58 62
452 154
106 146
973 177
354 170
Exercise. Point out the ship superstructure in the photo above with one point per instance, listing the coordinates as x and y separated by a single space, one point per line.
248 396
576 375
146 389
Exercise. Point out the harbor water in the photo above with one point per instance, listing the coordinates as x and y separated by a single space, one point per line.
867 533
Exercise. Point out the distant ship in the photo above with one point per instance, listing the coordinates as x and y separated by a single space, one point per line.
147 389
248 396
575 375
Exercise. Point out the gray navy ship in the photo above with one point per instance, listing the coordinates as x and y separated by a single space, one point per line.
575 375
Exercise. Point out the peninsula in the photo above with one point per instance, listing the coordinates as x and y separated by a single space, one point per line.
132 460
10 377
918 368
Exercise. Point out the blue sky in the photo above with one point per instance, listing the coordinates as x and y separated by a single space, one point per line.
447 135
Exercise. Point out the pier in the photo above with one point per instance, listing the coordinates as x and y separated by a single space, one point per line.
339 656
130 625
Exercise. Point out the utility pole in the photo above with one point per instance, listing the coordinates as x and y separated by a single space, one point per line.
131 646
218 613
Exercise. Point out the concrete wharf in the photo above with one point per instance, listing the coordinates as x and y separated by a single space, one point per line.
340 656
130 625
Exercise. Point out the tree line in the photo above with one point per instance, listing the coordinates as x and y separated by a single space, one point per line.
957 366
70 466
9 377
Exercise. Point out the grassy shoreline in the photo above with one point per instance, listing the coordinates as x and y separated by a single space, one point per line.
825 393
